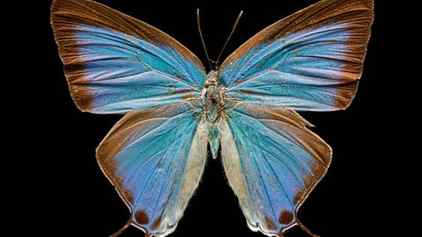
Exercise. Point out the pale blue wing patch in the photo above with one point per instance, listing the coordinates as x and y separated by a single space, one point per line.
303 71
313 58
299 92
115 63
98 44
155 160
320 50
272 162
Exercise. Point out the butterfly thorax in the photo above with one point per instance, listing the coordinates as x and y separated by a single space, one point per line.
212 96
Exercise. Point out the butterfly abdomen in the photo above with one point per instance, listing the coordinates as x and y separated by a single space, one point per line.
212 98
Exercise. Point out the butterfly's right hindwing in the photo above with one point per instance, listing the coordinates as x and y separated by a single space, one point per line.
272 162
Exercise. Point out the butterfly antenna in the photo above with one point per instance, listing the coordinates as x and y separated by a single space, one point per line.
198 21
119 232
228 38
304 228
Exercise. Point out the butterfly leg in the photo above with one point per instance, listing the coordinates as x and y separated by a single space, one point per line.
204 102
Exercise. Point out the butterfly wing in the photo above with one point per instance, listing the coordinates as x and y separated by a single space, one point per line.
311 60
115 63
155 159
272 162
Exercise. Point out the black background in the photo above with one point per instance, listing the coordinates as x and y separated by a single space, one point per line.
79 201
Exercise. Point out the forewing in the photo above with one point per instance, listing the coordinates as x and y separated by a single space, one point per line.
311 60
155 159
272 162
115 63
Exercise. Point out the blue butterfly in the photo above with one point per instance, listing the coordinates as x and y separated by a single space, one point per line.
245 108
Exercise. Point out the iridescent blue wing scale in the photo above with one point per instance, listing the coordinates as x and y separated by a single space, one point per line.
311 61
115 63
272 162
155 159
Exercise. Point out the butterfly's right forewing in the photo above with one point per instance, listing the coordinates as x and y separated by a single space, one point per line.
311 60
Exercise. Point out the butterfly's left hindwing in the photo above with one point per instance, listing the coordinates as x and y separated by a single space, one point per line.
155 159
115 63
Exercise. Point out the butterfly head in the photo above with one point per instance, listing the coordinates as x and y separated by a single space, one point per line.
212 79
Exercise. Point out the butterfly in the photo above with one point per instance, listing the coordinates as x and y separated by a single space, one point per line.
245 108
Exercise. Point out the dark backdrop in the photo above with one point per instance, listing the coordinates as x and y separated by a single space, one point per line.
79 201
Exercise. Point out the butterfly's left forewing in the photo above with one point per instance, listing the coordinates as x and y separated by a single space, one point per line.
115 63
155 159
